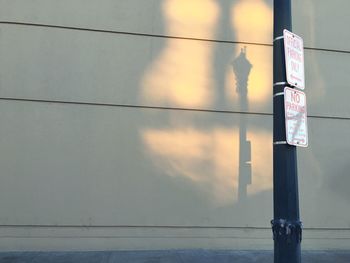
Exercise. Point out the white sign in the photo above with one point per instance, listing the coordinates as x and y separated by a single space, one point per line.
295 114
294 56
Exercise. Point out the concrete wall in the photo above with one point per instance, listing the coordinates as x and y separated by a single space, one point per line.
122 124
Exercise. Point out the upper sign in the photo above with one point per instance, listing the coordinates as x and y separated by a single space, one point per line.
294 56
295 114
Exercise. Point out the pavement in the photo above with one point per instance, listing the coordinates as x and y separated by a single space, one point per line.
167 256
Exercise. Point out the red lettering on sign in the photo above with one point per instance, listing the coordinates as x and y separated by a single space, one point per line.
295 97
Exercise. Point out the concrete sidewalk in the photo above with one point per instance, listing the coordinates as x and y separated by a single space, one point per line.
167 256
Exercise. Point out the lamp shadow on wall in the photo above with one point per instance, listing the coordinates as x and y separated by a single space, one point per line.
213 142
242 67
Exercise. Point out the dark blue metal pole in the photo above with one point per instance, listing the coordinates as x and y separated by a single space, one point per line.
286 225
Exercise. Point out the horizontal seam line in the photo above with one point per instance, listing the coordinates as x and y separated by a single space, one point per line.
328 50
170 227
171 237
137 226
133 106
140 237
161 36
328 117
160 107
134 33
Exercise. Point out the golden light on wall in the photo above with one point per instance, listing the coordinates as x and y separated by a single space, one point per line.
186 17
209 159
252 22
181 74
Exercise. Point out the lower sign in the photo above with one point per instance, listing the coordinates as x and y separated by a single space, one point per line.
295 115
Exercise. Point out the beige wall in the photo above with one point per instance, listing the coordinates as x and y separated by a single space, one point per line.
127 137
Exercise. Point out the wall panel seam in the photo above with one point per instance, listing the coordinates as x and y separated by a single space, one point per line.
160 108
242 228
134 33
163 36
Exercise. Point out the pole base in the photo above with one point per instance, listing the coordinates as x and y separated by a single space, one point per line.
289 231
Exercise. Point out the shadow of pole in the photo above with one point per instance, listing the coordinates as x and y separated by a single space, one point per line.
222 55
241 68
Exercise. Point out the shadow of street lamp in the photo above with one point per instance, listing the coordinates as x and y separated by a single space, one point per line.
241 68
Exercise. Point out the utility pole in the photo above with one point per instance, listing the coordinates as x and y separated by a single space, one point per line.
286 225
